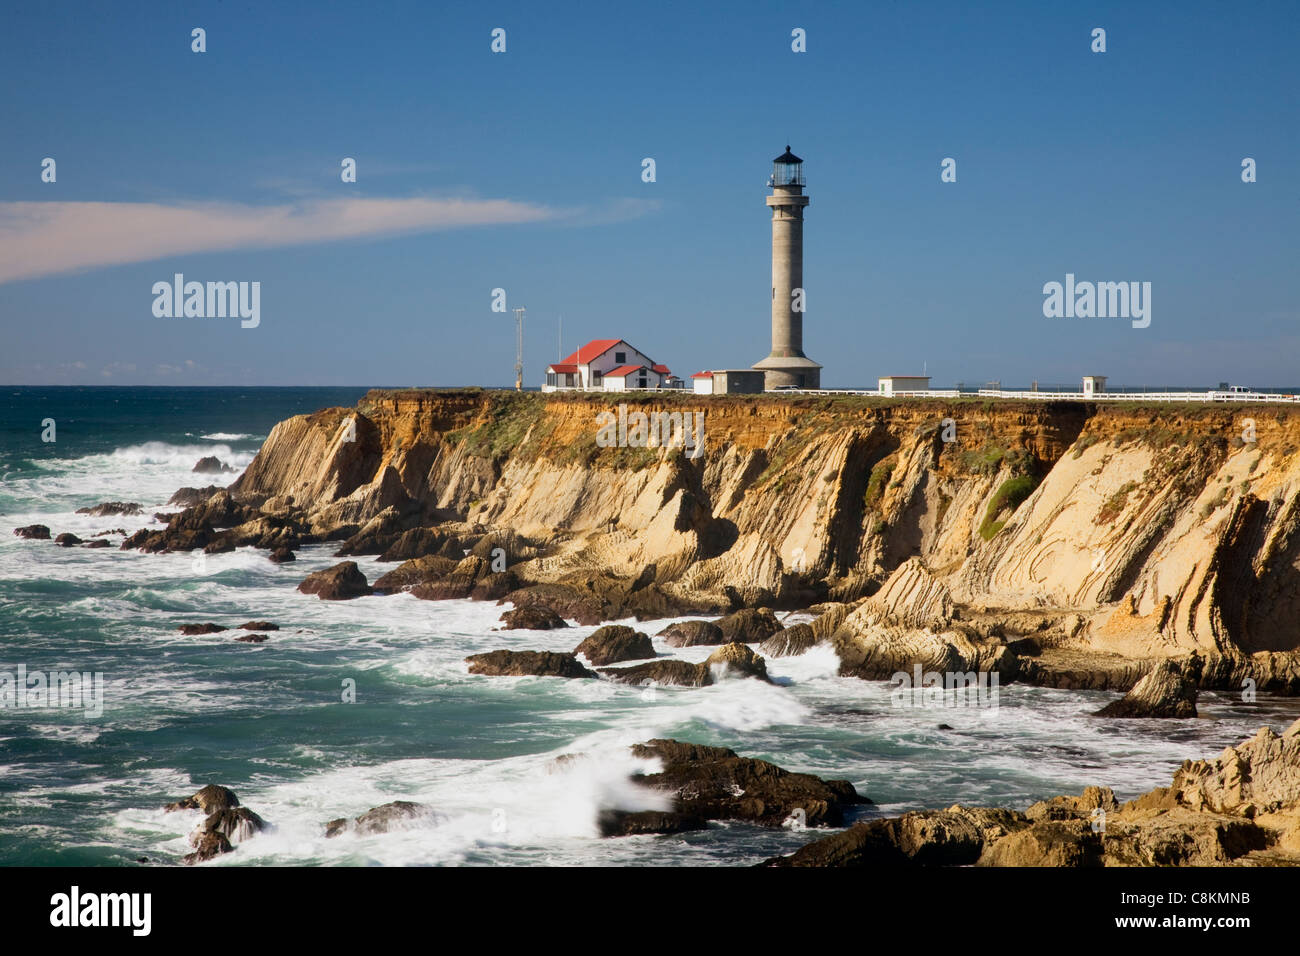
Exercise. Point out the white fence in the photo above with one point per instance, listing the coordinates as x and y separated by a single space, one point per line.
1211 395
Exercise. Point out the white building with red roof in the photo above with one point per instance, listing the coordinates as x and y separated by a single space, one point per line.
610 365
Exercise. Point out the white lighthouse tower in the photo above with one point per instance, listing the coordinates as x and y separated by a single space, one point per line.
787 365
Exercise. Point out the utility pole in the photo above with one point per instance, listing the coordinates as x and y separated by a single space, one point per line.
519 349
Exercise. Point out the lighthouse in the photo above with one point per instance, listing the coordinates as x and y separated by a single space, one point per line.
787 365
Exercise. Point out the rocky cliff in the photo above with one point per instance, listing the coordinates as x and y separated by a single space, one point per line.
1065 543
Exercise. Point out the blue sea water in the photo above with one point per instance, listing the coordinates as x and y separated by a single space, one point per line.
271 722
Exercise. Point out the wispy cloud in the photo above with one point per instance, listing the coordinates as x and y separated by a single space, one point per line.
46 238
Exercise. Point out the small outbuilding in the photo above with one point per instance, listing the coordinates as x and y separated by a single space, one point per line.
730 381
892 384
1093 385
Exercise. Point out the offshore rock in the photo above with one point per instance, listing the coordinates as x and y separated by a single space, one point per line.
208 800
339 583
615 643
692 633
1164 692
111 508
533 617
713 783
749 625
526 664
789 641
382 819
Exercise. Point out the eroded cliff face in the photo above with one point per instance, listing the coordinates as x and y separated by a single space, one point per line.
1143 532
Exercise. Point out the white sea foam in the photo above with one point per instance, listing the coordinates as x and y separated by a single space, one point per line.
178 456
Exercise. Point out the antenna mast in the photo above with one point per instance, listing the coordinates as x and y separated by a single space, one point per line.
519 349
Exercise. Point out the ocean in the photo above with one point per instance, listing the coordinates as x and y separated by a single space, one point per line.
270 720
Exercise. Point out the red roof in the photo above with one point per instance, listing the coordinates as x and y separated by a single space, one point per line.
661 369
592 350
623 370
561 368
702 375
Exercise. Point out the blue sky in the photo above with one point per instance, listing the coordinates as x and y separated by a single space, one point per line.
1122 166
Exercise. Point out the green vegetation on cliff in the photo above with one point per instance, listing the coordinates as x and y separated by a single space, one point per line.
1009 496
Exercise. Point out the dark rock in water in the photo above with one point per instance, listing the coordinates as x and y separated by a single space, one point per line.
100 534
259 626
423 570
616 823
955 837
532 617
209 800
281 555
749 625
194 527
154 542
1166 691
222 545
189 497
206 846
97 543
380 819
713 783
252 638
211 465
111 508
339 583
67 540
193 630
732 660
234 823
692 634
614 643
225 822
790 641
944 727
565 601
35 532
457 583
737 660
526 664
675 673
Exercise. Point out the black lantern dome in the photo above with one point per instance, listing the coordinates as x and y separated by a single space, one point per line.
787 169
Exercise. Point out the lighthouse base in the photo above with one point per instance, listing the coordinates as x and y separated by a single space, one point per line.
790 371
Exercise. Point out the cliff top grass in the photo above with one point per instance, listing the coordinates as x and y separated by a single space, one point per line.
1193 410
686 397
